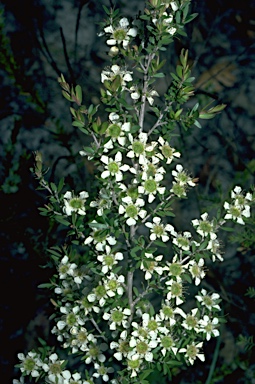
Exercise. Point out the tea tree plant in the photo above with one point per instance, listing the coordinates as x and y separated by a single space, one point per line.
123 277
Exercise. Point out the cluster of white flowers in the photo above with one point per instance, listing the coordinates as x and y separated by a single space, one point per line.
103 306
240 206
52 367
119 34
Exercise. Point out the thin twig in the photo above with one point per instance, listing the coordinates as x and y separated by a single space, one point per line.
97 328
46 52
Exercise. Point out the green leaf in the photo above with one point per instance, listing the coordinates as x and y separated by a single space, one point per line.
197 124
61 220
61 184
45 285
136 291
116 83
190 18
146 373
57 253
217 108
84 130
179 71
189 79
78 124
53 187
227 229
160 74
134 250
178 17
185 11
42 342
107 11
174 76
78 93
159 243
206 116
67 96
98 225
126 105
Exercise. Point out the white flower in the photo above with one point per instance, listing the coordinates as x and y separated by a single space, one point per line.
71 318
167 313
196 270
209 301
117 316
235 212
167 344
204 227
132 210
138 147
150 96
55 373
239 198
214 247
114 117
174 6
100 239
175 290
76 379
168 153
122 347
166 20
88 306
240 206
178 189
208 327
66 268
103 202
63 289
94 353
192 351
141 348
182 240
80 339
191 321
114 284
182 177
115 71
153 326
151 187
159 230
109 259
117 131
150 170
114 167
75 203
30 364
176 268
98 293
133 365
102 371
120 34
150 265
134 93
20 381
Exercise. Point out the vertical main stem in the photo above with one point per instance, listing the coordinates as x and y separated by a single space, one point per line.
145 88
130 276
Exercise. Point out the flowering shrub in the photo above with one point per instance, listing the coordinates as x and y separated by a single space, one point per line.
121 283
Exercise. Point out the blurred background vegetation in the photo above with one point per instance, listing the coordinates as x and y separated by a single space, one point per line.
39 40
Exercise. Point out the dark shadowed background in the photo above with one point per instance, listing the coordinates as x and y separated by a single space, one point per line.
40 39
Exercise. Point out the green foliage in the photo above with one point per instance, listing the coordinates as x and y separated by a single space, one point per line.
122 267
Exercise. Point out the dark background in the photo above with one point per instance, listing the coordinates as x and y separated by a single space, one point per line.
42 39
